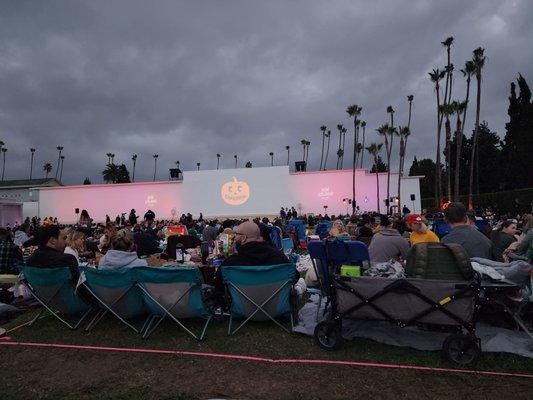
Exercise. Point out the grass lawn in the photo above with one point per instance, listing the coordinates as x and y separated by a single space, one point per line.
128 375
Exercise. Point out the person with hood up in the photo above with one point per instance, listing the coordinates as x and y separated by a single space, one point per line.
122 253
387 243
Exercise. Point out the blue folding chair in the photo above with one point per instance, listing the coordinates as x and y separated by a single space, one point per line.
299 226
339 252
117 293
322 229
54 290
173 292
287 245
260 293
319 260
275 236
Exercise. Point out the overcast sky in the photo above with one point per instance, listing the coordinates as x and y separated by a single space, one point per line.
187 80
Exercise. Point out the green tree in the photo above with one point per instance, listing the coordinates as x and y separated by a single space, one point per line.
86 181
47 168
426 168
381 166
248 164
123 175
518 141
110 173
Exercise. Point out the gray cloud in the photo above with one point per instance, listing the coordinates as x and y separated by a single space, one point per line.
188 80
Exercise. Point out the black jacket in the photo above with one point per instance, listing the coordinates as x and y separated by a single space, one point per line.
256 253
48 257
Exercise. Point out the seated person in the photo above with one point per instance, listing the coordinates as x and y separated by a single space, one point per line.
105 240
51 241
10 255
210 233
420 232
364 229
475 243
75 244
387 243
502 238
122 253
338 229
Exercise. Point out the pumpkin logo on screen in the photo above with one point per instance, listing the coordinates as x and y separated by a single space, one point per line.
235 192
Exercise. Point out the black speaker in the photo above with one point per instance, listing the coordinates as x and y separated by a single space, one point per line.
174 172
77 210
300 166
412 197
387 202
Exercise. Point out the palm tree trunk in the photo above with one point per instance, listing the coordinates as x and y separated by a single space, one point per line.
303 158
343 147
133 175
218 162
4 166
474 143
45 177
155 167
448 159
31 166
402 147
354 165
288 162
322 151
327 152
458 145
61 171
363 151
58 160
377 182
437 158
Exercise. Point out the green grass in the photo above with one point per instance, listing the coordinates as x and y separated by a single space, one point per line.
260 339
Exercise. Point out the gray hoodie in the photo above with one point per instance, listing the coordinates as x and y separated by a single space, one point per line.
387 244
118 258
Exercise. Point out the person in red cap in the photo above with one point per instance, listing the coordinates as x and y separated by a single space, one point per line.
420 232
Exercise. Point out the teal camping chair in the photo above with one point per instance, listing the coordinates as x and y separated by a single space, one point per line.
54 289
260 293
117 293
173 292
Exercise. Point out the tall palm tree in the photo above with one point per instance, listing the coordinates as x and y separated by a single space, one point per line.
1 145
449 69
410 100
340 153
363 125
447 111
109 157
303 142
374 150
134 159
198 166
218 160
339 128
328 136
61 171
468 71
4 151
344 130
32 150
403 133
307 145
59 149
47 168
385 130
479 62
323 128
288 148
271 154
156 156
111 173
436 76
354 111
460 109
235 157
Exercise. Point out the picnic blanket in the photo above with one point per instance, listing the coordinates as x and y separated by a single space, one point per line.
493 339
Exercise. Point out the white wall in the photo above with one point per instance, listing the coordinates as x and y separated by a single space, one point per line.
270 188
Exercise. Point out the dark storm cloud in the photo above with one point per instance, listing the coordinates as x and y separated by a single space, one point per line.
187 80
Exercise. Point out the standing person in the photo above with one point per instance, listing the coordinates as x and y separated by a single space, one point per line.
475 243
420 232
294 213
85 219
502 238
282 214
289 214
149 215
405 210
132 217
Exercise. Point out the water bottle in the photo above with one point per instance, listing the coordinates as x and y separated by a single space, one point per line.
180 257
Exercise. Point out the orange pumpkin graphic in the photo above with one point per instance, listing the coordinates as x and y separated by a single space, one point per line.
235 192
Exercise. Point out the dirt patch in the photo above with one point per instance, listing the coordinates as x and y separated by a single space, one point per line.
40 373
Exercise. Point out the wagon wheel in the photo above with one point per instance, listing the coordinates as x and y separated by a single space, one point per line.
328 335
461 349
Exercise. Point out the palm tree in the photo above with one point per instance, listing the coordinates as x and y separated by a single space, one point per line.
363 125
1 145
32 150
112 158
303 142
218 160
59 149
339 128
323 128
449 69
177 164
47 168
384 130
374 150
403 133
410 100
271 154
459 109
328 136
111 173
4 151
479 62
354 111
61 172
447 110
340 153
288 148
235 157
436 75
109 157
156 156
198 166
344 130
134 159
307 145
